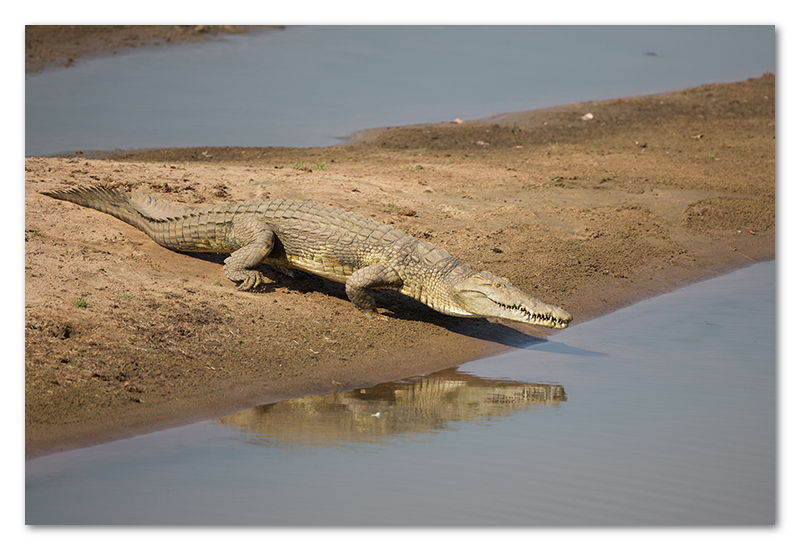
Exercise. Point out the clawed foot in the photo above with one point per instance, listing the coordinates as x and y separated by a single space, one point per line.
373 314
252 281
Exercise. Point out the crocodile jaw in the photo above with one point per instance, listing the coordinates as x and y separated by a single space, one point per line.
487 295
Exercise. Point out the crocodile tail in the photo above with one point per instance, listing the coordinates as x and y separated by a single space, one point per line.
113 201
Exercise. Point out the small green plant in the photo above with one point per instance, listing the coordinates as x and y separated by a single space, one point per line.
299 165
126 296
412 168
66 252
422 149
393 207
320 166
217 282
80 302
711 154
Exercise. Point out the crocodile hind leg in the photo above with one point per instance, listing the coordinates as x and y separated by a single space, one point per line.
373 276
241 266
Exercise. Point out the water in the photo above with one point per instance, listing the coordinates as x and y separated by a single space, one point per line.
310 86
663 413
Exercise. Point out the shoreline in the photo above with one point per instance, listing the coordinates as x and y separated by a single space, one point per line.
48 47
177 414
652 194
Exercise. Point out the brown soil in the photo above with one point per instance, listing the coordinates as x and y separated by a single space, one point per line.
48 46
123 336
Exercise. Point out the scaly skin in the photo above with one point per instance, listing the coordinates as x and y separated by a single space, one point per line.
332 243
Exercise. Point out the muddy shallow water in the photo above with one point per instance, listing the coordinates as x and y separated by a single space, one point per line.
662 413
310 86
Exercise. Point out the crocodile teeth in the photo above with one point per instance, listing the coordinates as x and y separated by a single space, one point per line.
547 319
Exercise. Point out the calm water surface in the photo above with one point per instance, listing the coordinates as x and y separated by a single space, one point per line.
662 413
309 86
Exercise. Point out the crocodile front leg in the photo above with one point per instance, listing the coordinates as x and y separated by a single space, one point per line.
373 276
240 266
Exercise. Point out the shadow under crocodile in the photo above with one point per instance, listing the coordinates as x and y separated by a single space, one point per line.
393 304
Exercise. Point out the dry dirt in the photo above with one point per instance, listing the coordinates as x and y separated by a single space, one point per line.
48 46
122 336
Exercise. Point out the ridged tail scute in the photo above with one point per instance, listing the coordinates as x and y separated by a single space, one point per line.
138 210
156 210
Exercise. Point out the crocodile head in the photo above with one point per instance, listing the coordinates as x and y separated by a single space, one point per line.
487 295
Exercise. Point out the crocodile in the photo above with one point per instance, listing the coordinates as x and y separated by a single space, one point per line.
335 244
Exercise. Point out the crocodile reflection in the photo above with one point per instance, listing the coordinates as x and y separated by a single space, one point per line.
375 415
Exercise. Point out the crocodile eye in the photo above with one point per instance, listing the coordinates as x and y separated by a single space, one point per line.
498 285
